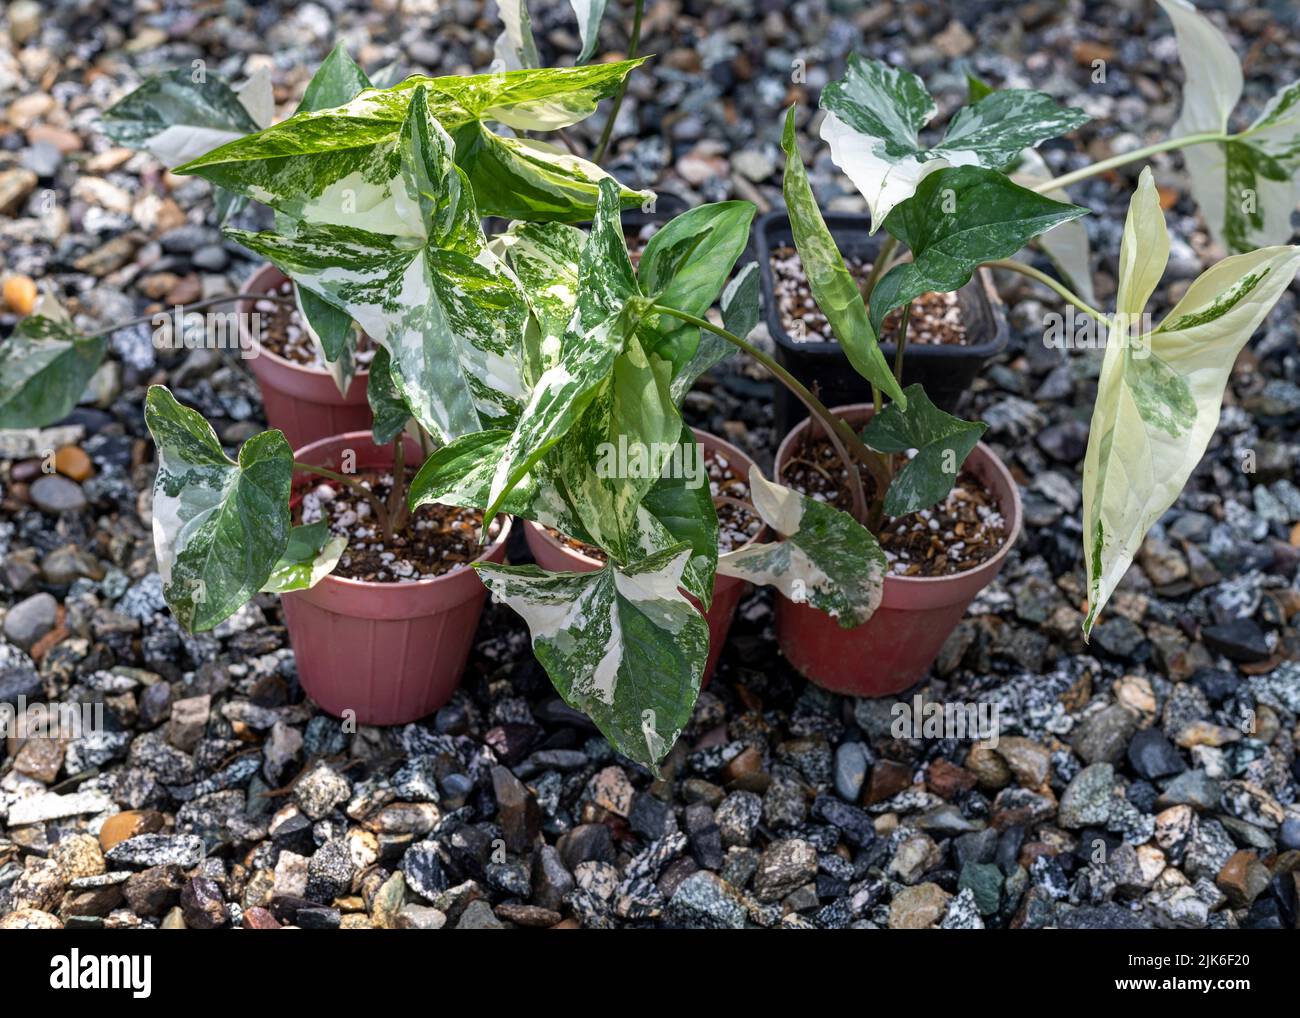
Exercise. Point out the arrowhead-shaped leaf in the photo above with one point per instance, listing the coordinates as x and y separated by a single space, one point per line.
308 558
45 367
1247 187
958 218
827 558
1158 397
942 443
336 82
219 526
515 46
314 166
622 645
875 114
175 118
832 286
449 313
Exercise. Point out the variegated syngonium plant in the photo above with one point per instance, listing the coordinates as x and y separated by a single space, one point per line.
1159 394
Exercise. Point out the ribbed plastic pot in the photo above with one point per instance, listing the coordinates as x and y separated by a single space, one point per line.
301 401
390 652
895 647
946 372
727 590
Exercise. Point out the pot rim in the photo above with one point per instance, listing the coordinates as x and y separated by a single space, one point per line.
991 565
254 287
347 583
699 433
836 221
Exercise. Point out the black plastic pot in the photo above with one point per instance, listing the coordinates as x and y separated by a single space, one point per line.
946 372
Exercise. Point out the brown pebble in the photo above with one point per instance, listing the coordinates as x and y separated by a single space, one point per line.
121 826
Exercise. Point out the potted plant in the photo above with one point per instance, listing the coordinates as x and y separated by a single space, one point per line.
311 360
556 398
873 119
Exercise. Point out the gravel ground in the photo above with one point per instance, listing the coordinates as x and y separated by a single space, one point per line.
1148 780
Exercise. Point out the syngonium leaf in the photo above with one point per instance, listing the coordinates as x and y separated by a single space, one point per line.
544 256
1067 244
308 558
741 304
175 118
686 264
416 274
219 527
522 178
515 47
958 218
826 558
608 310
321 166
387 406
622 645
337 81
942 443
875 114
832 286
1248 186
589 13
1158 398
45 367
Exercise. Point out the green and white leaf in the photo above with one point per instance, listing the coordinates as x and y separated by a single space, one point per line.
941 442
219 527
622 645
515 47
544 258
741 302
389 409
308 558
833 287
827 559
686 264
327 166
448 311
1247 187
608 311
589 14
521 178
875 114
45 367
1158 399
332 334
176 119
958 218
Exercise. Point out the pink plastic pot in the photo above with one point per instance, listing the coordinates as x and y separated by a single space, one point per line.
390 652
895 647
301 401
552 554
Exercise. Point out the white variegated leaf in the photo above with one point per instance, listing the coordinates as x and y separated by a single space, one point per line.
1158 398
826 558
1248 186
1066 245
589 14
308 558
875 114
256 96
515 47
219 527
622 645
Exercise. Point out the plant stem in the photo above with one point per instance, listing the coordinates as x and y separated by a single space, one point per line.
879 266
397 493
633 45
185 308
1042 277
376 505
902 343
1128 157
869 458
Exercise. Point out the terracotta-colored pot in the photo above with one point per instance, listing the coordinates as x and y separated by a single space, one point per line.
895 647
390 652
727 590
301 401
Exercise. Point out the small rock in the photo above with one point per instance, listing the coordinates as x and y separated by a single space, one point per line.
30 619
56 495
918 908
1087 799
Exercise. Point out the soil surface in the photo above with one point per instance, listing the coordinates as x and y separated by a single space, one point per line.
283 334
436 539
961 532
936 317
